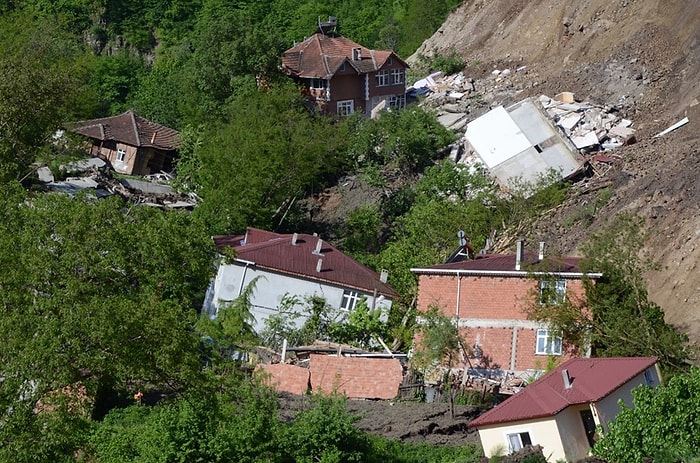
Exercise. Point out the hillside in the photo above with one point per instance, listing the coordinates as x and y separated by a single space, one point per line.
643 53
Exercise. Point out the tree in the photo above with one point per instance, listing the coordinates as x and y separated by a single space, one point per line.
106 296
642 432
252 170
616 317
41 79
439 345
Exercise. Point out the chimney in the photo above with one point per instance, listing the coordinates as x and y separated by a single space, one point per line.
319 244
357 54
542 246
319 265
567 379
384 276
294 239
519 254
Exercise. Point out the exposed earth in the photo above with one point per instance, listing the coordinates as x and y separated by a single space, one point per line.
642 56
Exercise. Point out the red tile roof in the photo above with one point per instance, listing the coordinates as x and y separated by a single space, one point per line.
320 56
129 128
592 379
276 252
497 263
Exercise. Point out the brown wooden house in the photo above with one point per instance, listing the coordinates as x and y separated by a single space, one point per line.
342 77
132 144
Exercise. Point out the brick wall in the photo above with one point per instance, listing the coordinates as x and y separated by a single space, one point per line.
286 378
485 301
356 377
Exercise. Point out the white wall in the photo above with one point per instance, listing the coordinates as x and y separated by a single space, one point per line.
542 432
608 408
271 288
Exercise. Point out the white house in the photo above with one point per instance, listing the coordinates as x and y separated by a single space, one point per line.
298 265
561 410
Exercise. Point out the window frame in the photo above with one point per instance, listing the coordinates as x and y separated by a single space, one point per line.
520 442
345 107
552 292
382 78
121 154
397 101
349 300
398 76
552 343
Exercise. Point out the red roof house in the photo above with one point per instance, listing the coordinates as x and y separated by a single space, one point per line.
488 296
341 76
561 410
293 265
131 143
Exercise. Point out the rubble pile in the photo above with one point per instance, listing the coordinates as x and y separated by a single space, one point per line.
590 128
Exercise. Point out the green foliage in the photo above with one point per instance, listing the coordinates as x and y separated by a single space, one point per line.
326 433
363 230
277 150
362 327
643 431
589 210
113 78
386 450
407 140
106 296
625 322
41 80
450 63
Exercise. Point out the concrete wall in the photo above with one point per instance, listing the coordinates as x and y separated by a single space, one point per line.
271 288
491 313
608 408
542 432
355 377
572 433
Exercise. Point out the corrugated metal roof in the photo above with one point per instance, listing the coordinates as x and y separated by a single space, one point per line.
320 56
592 379
276 252
129 128
506 263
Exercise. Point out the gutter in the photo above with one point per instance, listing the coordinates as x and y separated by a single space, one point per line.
508 273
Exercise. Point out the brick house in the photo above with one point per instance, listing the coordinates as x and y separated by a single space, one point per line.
132 144
293 265
341 77
488 296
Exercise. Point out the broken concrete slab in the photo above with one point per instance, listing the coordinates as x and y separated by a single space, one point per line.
45 174
586 140
450 119
84 165
147 187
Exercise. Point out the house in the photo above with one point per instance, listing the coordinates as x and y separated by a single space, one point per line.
132 144
289 265
342 77
562 410
522 142
488 296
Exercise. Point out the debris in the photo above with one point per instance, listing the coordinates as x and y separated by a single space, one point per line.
678 124
45 174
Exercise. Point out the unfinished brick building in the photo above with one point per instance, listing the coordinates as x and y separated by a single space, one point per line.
488 295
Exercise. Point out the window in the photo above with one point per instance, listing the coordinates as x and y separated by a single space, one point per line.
349 300
397 76
518 440
552 292
548 343
397 101
121 154
346 107
318 83
649 377
382 78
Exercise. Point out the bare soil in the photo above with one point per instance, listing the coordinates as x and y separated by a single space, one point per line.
405 421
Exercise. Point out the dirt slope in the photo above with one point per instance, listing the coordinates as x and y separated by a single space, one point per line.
645 53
